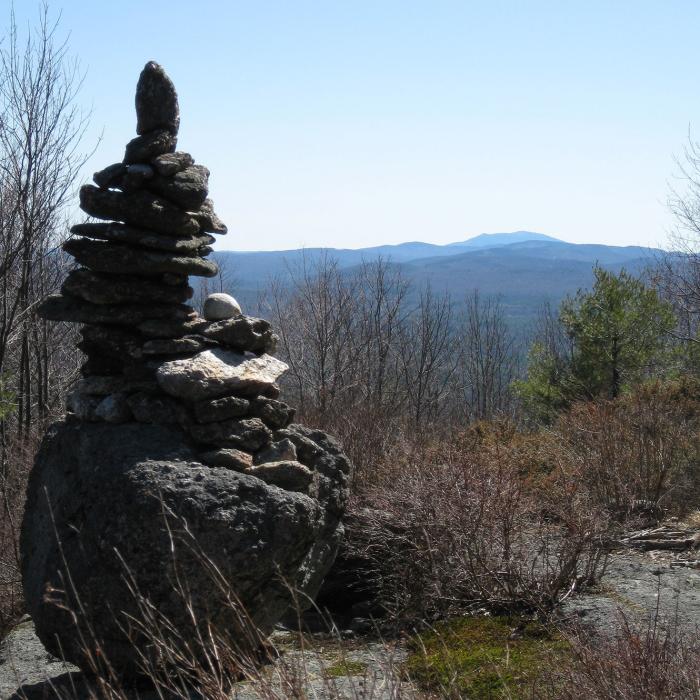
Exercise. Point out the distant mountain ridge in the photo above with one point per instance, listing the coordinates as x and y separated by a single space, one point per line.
523 268
492 240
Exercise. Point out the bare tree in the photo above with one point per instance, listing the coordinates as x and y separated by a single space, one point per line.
676 273
41 127
428 356
315 316
488 359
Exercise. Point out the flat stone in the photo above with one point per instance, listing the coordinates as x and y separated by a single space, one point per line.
124 177
140 209
171 163
144 148
248 434
63 308
172 328
221 409
229 458
158 410
214 373
109 175
113 409
187 345
207 219
156 101
100 386
288 475
281 451
219 307
275 414
111 341
136 176
119 258
243 333
187 189
98 364
120 233
118 289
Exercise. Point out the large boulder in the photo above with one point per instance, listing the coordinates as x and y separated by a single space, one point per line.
105 504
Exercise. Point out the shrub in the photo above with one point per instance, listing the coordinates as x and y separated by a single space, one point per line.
642 448
467 527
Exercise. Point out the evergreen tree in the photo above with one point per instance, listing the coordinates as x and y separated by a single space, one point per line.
616 336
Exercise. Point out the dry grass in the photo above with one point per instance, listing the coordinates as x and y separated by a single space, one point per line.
13 484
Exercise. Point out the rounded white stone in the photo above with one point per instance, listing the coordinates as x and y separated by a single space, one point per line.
218 307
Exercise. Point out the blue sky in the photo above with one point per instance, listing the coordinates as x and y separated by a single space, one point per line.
367 122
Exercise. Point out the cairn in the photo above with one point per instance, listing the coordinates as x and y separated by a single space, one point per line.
151 357
170 404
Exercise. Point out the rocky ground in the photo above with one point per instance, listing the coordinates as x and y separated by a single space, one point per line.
640 584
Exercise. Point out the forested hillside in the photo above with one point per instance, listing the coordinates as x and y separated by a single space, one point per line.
525 270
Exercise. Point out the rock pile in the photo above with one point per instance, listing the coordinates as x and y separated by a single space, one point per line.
150 357
169 403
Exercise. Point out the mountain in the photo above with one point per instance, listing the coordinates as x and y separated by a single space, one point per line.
524 269
493 240
273 263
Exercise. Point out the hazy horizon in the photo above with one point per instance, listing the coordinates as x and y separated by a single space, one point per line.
355 125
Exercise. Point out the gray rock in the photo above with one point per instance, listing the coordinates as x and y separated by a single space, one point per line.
24 662
145 239
113 409
118 258
171 163
207 219
107 176
109 489
111 341
110 384
275 414
187 345
215 373
228 458
136 176
282 451
187 189
156 409
292 476
324 456
221 409
144 148
124 177
248 434
172 328
243 333
156 101
119 289
100 386
218 307
63 308
83 406
97 364
141 209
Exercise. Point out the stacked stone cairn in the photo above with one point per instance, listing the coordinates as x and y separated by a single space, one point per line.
175 413
150 356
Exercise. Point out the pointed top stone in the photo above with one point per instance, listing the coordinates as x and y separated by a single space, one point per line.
156 101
